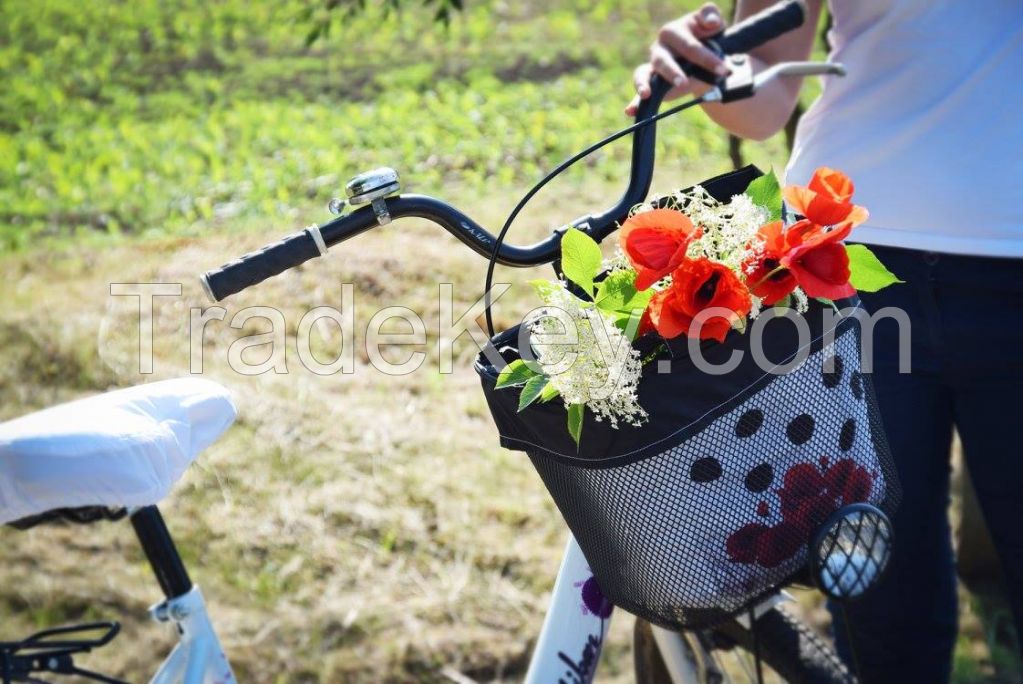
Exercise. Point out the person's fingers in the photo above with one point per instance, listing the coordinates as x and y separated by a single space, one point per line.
663 63
641 79
632 107
680 41
708 21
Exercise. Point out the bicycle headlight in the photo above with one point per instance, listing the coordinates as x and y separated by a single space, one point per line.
851 550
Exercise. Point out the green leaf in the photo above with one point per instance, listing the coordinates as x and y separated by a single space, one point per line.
827 302
765 192
575 422
580 258
866 272
615 290
618 293
515 373
628 322
618 296
548 393
532 391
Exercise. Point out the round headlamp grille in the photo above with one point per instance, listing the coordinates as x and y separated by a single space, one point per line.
851 551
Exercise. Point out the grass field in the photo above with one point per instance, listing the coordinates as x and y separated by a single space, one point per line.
362 527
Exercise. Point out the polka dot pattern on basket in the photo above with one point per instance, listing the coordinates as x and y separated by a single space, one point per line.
833 367
800 429
749 423
848 435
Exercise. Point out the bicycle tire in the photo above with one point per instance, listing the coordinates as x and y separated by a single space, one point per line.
791 649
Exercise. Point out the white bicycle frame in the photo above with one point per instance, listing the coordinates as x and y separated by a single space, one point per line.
198 657
577 623
574 630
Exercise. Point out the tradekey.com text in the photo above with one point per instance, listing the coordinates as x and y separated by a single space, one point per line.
403 333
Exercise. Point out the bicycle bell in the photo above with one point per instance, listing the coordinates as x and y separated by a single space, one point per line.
851 550
371 187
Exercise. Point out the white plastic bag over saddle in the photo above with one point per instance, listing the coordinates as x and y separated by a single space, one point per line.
119 449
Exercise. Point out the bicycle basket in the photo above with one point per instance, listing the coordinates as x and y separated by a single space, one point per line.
709 505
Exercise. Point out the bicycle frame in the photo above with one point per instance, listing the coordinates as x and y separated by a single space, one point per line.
576 625
198 657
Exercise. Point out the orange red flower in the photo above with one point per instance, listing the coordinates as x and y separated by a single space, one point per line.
807 255
655 243
697 285
818 261
827 199
768 279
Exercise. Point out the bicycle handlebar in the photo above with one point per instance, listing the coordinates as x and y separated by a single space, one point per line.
764 26
255 267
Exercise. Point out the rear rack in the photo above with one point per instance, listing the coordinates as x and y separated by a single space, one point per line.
52 651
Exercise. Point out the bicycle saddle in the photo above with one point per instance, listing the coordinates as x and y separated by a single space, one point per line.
120 449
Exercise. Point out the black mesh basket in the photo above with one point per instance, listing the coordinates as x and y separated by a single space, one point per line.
710 505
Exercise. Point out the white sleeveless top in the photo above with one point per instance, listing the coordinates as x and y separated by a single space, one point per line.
928 123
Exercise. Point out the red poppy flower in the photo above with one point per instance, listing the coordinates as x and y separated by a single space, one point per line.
656 242
805 254
696 285
766 280
818 260
827 199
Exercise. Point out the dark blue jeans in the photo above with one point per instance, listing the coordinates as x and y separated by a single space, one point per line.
967 373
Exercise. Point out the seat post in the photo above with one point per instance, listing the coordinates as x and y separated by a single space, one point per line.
160 550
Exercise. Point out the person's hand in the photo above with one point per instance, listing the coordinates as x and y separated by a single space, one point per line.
680 38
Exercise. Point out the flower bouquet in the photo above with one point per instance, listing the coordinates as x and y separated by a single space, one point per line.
709 375
689 265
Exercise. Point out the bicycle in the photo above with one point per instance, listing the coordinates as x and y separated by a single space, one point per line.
575 627
569 645
108 457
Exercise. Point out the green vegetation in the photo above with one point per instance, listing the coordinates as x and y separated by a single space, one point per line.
174 117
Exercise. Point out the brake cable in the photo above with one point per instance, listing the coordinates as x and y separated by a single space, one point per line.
712 95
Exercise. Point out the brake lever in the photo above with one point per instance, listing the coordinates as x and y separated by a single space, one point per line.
742 83
798 69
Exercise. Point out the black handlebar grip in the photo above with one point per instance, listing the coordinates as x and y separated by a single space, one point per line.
255 267
751 32
763 26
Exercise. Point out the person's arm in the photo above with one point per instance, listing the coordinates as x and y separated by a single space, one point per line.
758 117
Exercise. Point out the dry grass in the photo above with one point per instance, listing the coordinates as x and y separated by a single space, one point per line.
349 528
358 527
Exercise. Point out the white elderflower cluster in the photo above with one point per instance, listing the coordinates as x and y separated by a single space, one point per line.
729 229
587 358
756 306
802 304
618 261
